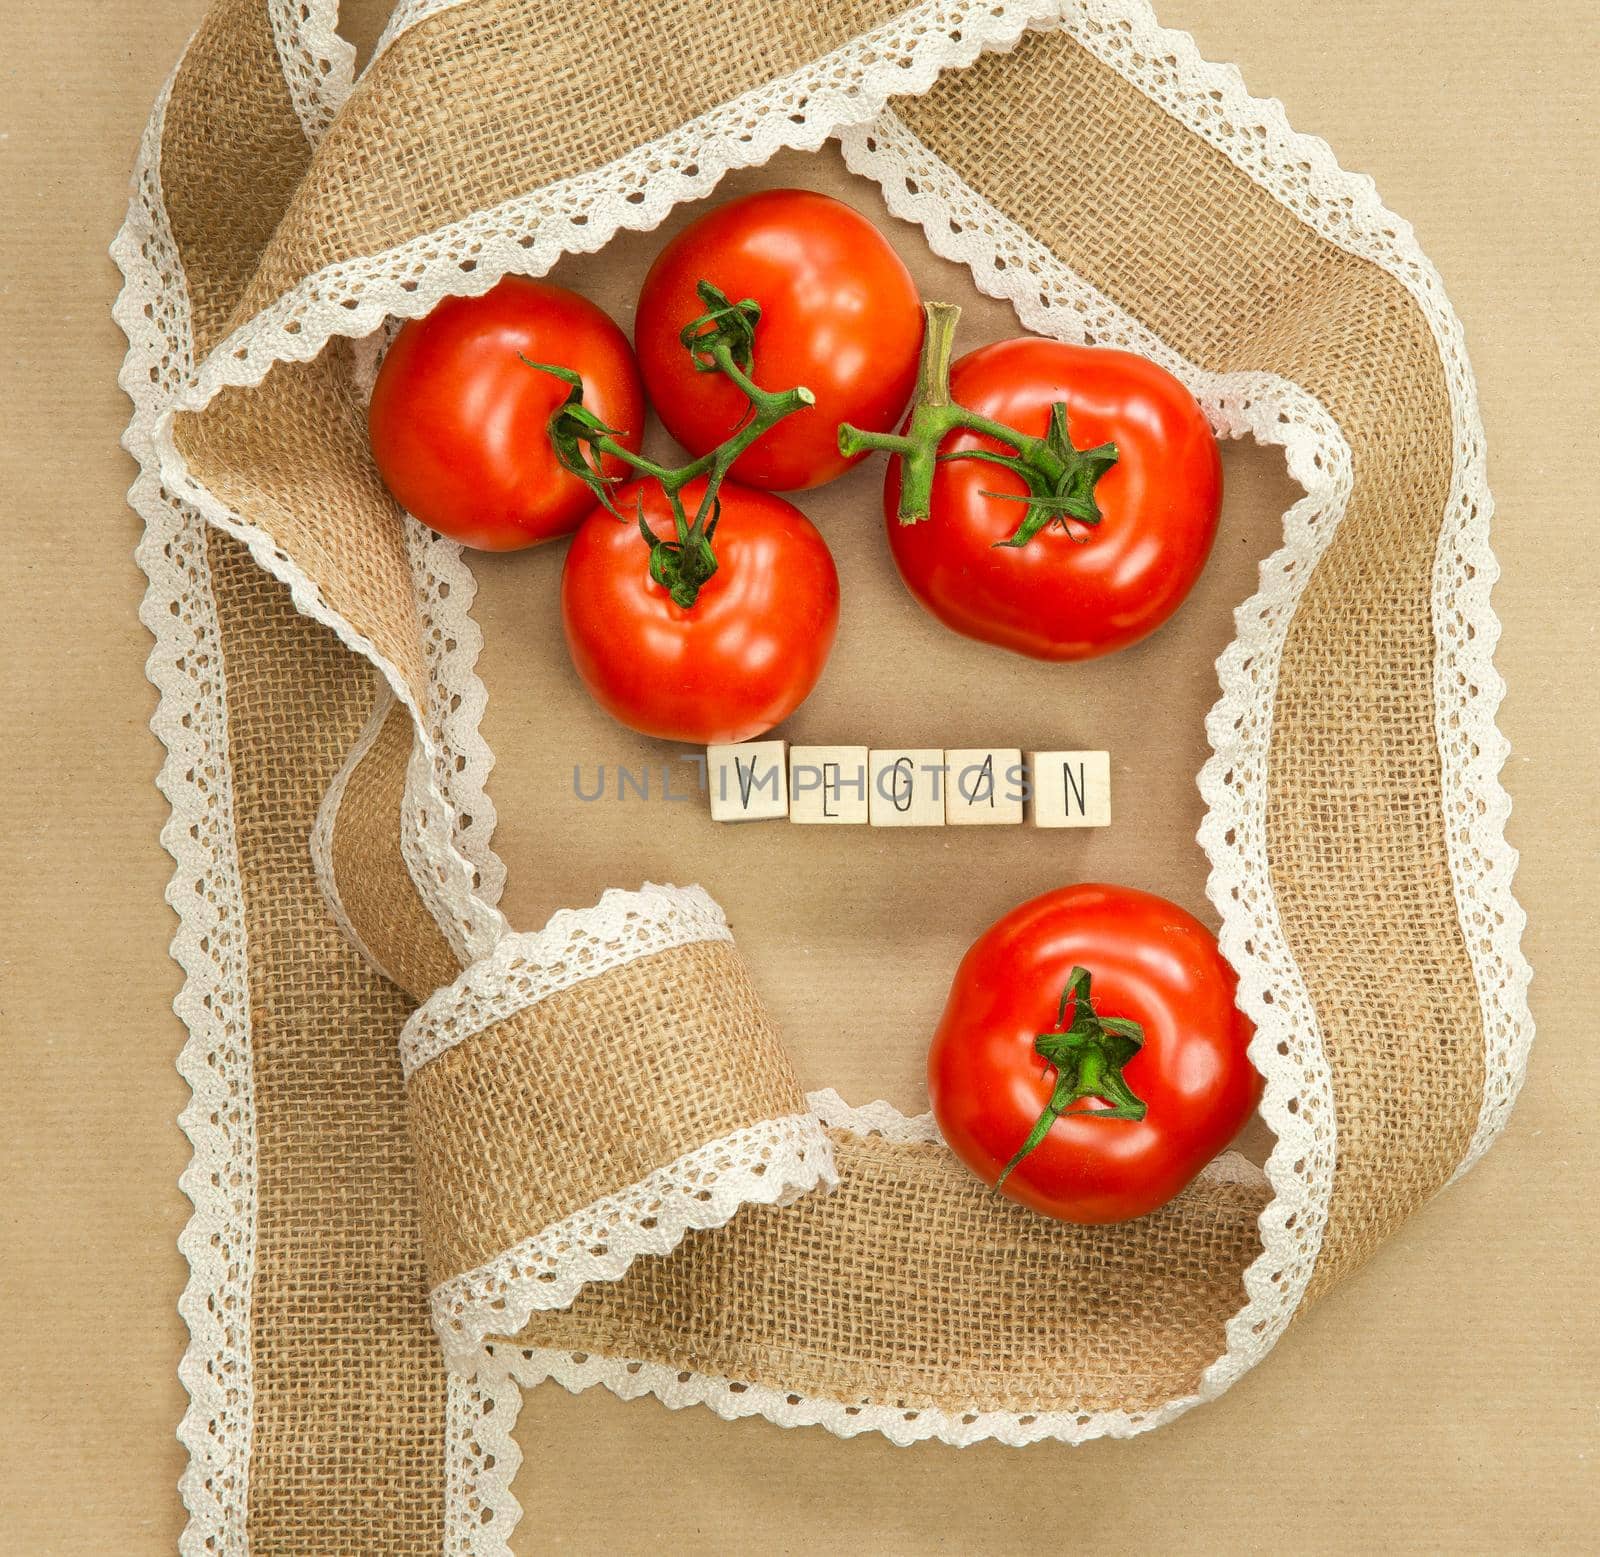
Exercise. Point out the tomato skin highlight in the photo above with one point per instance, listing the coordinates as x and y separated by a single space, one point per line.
742 658
458 420
1056 599
839 314
1151 962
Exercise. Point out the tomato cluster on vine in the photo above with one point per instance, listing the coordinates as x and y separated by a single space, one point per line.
1052 499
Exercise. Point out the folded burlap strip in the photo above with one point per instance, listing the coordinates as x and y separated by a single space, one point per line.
1020 1328
588 1095
280 211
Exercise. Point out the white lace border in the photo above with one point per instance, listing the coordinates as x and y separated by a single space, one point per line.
574 946
771 1163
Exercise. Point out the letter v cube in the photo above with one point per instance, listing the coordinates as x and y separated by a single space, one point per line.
748 782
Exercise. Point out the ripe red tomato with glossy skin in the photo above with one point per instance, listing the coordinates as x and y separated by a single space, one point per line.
458 420
1053 598
1151 962
839 314
742 658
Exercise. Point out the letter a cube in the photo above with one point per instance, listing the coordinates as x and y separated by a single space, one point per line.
983 786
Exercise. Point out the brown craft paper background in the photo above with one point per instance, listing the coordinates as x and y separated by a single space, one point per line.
1374 1385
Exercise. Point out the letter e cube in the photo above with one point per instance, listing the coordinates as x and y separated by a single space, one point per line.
828 784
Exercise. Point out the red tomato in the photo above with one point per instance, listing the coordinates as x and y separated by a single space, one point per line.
839 314
1150 962
743 657
1054 598
458 420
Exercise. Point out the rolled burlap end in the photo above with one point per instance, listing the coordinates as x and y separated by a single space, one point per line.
588 1094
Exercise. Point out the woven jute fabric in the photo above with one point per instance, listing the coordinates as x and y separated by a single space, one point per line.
368 1190
345 1401
517 123
310 484
348 1396
912 1286
586 1092
232 153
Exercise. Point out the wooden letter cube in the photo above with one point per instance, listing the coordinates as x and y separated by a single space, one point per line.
1070 788
983 786
748 782
907 788
828 784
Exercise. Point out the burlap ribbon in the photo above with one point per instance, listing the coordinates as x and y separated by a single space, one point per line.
730 1241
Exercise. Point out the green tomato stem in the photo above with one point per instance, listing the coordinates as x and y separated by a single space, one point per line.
717 342
1060 478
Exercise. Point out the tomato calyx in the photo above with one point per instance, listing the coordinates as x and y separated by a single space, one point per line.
724 332
722 340
1088 1056
1061 481
1060 477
